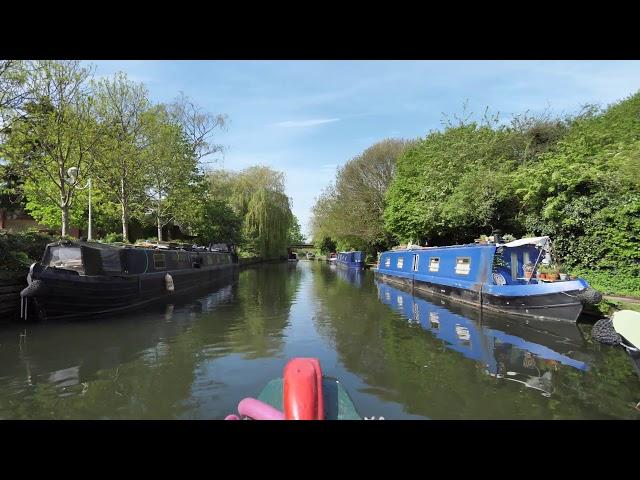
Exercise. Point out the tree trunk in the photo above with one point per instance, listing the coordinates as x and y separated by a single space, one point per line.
125 213
65 220
159 229
125 222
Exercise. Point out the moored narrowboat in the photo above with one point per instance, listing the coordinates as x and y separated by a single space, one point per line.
350 259
493 276
81 279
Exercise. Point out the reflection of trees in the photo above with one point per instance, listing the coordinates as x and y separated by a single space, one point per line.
140 366
265 295
402 362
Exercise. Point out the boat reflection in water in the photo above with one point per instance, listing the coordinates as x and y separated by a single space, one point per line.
67 354
351 275
518 352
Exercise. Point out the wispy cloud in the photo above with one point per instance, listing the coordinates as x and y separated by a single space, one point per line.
306 123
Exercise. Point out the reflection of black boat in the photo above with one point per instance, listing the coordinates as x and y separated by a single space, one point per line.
77 279
516 352
68 353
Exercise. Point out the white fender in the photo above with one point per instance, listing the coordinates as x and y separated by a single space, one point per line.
168 281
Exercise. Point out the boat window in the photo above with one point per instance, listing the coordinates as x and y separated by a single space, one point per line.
525 258
434 264
514 265
416 261
387 262
400 262
159 262
69 258
463 265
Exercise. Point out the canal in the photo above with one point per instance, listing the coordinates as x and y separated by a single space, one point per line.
399 356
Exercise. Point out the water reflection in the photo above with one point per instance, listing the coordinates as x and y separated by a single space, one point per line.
351 275
504 354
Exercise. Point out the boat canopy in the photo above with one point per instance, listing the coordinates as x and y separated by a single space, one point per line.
537 241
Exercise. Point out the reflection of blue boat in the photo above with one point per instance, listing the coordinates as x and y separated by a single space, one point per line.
505 354
350 259
351 275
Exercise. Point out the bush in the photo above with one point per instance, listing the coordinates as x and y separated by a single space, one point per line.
621 282
19 250
113 237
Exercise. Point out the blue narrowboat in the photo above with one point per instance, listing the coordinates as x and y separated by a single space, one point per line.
491 276
350 259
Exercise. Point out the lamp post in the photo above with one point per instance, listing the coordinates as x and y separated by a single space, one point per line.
73 173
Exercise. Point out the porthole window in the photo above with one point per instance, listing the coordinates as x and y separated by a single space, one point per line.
434 264
463 265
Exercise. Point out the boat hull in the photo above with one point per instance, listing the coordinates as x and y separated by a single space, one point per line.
548 306
67 296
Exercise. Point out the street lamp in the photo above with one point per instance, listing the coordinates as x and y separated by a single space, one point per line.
73 173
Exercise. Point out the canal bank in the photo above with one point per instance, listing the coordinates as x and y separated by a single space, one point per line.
196 358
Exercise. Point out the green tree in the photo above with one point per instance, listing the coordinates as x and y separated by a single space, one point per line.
121 107
327 246
57 133
352 210
170 169
295 235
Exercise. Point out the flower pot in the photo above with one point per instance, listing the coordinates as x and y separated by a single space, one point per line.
563 276
527 275
542 276
553 276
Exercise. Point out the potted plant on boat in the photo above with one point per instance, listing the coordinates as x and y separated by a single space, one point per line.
553 273
563 273
542 272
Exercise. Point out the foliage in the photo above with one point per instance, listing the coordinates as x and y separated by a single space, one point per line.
257 196
56 133
351 210
19 250
113 238
327 246
295 236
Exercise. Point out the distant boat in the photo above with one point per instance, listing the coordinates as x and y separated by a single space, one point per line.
490 276
351 259
310 256
80 279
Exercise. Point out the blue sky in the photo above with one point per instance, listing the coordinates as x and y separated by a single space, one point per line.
306 118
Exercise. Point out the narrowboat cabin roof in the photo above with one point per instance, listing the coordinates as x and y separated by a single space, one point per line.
94 258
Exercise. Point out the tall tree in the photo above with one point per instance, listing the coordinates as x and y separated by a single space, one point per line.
121 105
198 125
352 209
13 89
171 169
57 133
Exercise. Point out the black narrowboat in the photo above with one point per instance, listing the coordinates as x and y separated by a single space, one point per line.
81 279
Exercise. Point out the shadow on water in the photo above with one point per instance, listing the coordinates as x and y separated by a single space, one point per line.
443 360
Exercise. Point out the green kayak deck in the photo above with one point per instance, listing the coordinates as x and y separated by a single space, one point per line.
337 402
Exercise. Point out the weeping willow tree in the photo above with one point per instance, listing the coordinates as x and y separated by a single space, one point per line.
267 222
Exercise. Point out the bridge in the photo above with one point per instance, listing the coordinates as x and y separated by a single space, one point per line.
301 245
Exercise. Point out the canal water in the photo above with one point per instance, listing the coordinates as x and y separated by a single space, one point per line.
399 356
